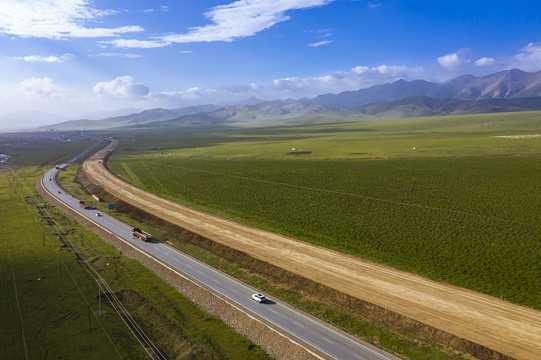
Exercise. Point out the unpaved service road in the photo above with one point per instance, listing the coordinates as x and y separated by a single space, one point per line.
507 328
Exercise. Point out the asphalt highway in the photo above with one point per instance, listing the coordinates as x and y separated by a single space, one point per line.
331 342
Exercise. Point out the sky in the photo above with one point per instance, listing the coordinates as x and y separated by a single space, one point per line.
83 58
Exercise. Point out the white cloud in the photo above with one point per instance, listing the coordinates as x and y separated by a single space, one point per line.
122 86
241 19
374 4
290 87
38 87
356 78
139 44
37 58
148 10
484 61
528 59
449 61
127 55
236 20
46 59
164 8
186 52
320 43
325 32
124 92
67 56
55 19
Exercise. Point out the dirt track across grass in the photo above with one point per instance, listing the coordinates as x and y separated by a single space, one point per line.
507 328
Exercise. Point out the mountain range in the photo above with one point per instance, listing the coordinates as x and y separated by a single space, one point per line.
141 119
511 90
508 84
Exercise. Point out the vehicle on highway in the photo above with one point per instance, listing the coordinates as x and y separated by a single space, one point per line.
85 205
260 298
143 235
98 214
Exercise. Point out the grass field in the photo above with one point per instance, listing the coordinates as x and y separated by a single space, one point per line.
445 136
42 149
461 207
49 303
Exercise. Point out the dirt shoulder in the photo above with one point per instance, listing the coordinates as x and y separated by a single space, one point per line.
507 328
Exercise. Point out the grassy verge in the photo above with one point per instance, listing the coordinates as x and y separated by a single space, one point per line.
59 312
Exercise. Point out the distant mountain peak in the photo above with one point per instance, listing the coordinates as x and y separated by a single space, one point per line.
252 100
507 84
509 90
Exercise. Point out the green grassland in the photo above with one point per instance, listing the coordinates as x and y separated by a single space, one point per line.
42 149
445 136
49 303
461 207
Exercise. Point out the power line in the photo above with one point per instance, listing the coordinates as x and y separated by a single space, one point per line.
71 275
101 252
123 313
111 295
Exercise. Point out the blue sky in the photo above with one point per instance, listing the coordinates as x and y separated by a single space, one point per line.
76 57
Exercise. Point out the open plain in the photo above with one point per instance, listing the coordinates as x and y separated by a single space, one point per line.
507 328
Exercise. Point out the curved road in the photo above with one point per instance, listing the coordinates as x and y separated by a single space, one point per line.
489 321
326 340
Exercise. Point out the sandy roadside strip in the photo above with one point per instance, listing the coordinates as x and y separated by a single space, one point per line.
507 328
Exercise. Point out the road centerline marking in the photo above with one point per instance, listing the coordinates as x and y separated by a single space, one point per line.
327 340
273 311
296 323
358 357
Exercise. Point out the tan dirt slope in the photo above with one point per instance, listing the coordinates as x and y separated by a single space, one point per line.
510 329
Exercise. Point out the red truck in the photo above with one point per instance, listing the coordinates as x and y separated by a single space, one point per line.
85 205
136 232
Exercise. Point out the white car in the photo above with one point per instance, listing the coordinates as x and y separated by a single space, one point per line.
259 298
